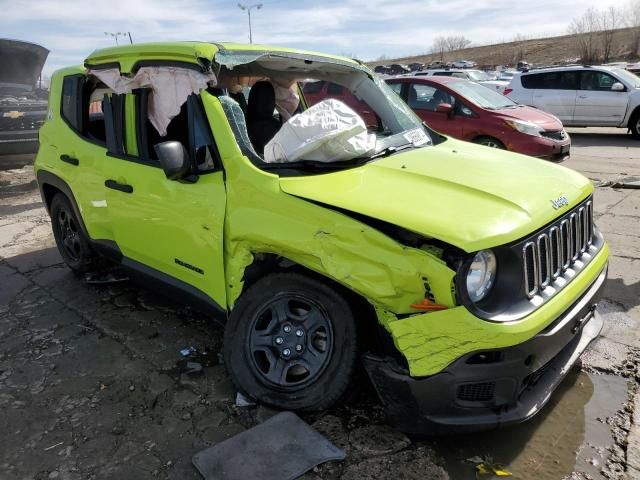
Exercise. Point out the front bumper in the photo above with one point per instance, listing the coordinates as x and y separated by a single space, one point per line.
493 388
543 147
18 141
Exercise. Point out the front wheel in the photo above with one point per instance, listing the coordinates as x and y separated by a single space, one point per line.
290 342
634 125
489 142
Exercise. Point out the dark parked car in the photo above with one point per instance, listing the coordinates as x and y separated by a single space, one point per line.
382 69
416 66
470 111
398 69
23 105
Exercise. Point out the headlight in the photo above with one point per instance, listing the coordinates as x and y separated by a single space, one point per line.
521 126
481 275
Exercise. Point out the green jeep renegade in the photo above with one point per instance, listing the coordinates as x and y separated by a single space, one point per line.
464 278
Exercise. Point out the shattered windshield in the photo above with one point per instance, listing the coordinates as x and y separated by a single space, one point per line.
317 110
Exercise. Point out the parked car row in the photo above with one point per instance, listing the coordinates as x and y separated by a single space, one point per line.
398 68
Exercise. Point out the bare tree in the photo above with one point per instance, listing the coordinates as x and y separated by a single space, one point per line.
607 21
584 30
520 47
443 45
457 42
632 20
439 47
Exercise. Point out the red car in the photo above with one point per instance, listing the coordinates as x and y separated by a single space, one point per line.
469 111
316 91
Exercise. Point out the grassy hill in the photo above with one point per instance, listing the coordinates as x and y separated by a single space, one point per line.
539 51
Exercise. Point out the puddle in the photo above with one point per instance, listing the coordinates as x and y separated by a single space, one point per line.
568 435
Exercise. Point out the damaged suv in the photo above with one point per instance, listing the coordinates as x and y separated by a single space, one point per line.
465 278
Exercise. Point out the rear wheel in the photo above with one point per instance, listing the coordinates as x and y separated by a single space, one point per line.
489 142
290 342
634 125
72 244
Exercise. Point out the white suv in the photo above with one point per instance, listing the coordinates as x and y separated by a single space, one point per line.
582 96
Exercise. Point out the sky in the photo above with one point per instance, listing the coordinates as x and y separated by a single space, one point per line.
365 29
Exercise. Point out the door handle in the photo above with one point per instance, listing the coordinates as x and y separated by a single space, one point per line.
122 187
70 160
583 96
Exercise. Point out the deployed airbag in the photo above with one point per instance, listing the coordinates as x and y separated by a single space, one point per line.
329 131
170 87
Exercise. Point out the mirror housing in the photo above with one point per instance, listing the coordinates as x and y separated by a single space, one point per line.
445 108
174 159
617 87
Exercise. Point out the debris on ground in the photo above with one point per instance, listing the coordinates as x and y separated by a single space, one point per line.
282 448
185 352
108 277
244 401
627 182
486 469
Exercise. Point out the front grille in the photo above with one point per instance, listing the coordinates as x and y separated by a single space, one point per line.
476 392
557 135
557 248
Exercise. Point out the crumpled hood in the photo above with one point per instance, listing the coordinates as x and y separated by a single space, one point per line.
21 62
467 195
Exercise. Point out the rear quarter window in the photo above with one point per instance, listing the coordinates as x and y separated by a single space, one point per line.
70 101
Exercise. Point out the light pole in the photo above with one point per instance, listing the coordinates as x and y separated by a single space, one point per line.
248 8
115 36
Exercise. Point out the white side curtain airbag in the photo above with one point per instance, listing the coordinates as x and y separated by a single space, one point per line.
170 87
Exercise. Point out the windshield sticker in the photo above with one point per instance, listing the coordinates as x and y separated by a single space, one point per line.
417 137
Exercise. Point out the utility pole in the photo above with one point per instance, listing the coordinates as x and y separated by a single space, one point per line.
248 8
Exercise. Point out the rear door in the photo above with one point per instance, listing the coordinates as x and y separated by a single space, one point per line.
171 230
555 92
596 103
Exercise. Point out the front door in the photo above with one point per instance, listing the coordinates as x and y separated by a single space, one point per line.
596 103
424 100
166 228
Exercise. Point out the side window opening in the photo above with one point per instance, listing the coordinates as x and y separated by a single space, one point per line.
203 147
94 111
190 127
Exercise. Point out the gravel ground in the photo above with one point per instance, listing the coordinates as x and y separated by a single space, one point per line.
92 384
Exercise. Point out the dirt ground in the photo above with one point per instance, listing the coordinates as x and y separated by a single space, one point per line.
93 386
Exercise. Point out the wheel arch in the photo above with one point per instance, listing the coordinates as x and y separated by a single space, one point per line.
50 185
267 263
635 114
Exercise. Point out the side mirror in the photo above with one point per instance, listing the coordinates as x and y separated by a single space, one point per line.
445 108
174 159
617 87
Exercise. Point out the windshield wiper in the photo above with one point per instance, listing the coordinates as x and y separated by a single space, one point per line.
391 150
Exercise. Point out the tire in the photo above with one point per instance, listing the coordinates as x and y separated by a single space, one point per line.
72 243
634 124
489 142
307 317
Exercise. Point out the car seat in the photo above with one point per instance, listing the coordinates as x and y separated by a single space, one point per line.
261 124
